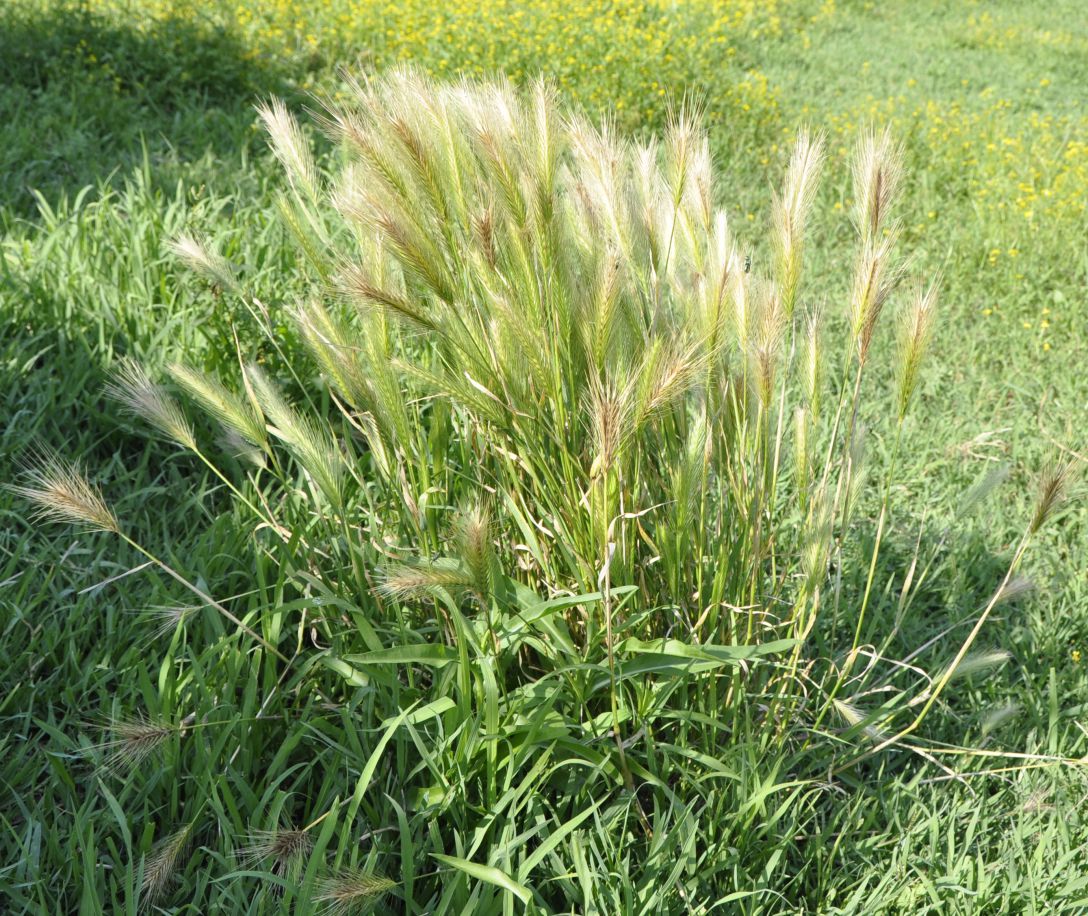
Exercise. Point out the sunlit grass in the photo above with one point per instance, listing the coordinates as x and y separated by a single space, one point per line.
987 103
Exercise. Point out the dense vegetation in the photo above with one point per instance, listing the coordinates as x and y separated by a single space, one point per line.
504 564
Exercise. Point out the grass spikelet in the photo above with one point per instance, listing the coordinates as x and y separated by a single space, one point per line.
817 540
812 362
609 412
790 213
60 492
854 717
875 279
915 329
995 718
406 581
1054 484
977 662
195 253
311 445
233 413
289 146
1015 588
473 535
329 341
741 295
878 171
168 619
134 740
995 475
351 891
856 469
284 849
801 450
766 343
163 862
357 284
666 376
132 388
239 447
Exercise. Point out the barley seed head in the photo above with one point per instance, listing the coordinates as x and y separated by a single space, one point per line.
133 389
60 492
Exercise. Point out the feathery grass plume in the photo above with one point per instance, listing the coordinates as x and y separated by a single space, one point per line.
816 543
133 741
741 295
312 446
765 347
360 369
684 142
854 717
856 470
998 717
1015 588
405 581
236 415
239 447
285 848
289 146
689 166
601 329
608 410
1054 484
357 283
790 212
875 278
812 361
168 619
545 144
648 210
163 862
351 891
132 388
878 171
420 258
60 492
333 347
667 374
915 329
689 472
977 662
995 475
472 530
195 253
721 264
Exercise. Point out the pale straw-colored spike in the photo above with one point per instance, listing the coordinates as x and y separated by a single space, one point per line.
60 492
133 388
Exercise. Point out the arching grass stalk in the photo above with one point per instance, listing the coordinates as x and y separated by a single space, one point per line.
60 491
1053 490
204 596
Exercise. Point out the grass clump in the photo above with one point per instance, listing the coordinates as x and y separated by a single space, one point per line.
558 528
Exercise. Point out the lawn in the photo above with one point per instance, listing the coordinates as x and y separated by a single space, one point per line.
409 785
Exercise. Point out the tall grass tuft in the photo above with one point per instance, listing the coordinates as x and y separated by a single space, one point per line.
561 486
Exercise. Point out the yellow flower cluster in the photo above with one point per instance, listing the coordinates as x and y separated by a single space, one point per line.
630 57
633 58
985 31
1017 169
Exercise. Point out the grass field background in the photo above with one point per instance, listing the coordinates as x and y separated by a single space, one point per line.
125 123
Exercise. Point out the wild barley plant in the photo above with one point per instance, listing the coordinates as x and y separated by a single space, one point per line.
569 436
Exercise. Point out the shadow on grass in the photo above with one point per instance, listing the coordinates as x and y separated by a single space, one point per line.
953 571
81 95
